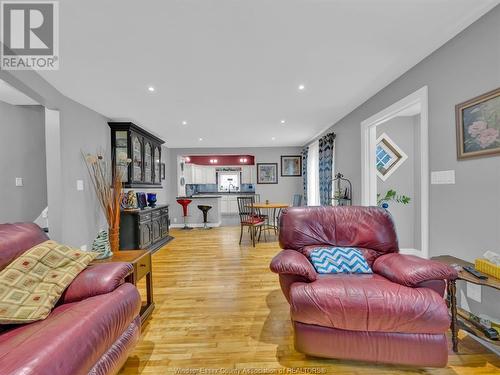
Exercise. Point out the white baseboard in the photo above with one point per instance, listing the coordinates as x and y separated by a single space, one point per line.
195 225
411 252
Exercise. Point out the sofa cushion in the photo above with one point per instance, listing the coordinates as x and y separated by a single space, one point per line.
368 303
31 285
73 337
339 260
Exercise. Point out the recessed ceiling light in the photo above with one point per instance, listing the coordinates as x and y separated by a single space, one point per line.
273 138
283 121
151 89
301 87
200 139
184 123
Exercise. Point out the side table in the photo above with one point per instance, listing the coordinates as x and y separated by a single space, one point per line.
141 261
457 312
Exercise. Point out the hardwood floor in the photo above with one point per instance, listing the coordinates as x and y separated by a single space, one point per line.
219 307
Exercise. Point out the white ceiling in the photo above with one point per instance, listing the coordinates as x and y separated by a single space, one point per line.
231 69
11 95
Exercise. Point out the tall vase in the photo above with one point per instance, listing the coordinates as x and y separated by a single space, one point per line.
114 239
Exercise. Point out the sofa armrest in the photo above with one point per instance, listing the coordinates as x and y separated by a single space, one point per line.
410 270
96 279
291 262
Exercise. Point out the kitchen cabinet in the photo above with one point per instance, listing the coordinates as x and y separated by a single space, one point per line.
248 174
199 174
129 141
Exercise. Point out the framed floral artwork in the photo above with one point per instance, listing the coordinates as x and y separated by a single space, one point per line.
267 173
291 165
478 126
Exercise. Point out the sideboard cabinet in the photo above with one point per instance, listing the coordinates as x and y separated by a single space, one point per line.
146 229
129 141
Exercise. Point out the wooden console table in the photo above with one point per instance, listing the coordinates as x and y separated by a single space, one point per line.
457 312
141 260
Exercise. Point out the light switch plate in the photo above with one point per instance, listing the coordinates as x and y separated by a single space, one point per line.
79 185
474 292
83 247
19 181
443 177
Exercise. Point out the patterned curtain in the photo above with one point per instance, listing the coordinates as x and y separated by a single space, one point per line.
326 145
305 152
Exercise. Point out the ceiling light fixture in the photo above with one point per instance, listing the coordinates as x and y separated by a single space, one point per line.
301 87
184 123
151 89
188 159
200 139
273 138
283 121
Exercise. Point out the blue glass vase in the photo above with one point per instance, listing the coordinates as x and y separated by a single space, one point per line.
151 199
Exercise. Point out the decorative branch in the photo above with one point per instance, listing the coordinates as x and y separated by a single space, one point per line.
107 185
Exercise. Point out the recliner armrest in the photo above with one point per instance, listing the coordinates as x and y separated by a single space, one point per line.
97 279
291 262
410 270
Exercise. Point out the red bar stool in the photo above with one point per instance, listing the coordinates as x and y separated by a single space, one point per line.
184 203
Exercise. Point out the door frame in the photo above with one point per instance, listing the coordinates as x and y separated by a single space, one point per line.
368 151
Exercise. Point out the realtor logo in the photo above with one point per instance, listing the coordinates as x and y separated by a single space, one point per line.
29 35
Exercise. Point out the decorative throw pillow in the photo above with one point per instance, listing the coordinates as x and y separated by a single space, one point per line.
32 284
339 260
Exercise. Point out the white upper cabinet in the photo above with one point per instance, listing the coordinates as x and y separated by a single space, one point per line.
188 174
248 174
209 175
201 174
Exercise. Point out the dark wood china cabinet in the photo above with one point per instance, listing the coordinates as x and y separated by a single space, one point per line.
129 141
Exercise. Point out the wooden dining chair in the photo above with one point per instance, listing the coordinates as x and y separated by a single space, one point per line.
249 218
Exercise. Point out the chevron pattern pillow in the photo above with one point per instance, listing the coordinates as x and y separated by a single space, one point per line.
339 260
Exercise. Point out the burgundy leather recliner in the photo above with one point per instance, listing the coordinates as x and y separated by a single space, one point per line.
395 315
93 328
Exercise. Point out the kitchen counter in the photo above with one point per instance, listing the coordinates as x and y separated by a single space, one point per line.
226 193
201 196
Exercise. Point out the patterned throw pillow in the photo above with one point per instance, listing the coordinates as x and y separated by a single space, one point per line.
32 284
339 260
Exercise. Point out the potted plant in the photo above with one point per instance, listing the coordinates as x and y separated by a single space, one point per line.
391 196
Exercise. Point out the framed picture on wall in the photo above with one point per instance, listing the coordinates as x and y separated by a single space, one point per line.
267 173
291 166
478 126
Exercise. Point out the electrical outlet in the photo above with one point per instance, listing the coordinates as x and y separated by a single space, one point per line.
474 292
83 247
79 185
442 177
19 181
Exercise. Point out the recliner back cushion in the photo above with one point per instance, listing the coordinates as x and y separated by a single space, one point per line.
344 226
16 238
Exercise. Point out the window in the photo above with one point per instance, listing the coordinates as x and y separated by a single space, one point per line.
313 174
388 157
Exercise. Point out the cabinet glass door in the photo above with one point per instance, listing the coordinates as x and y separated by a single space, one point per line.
136 158
121 154
156 158
148 168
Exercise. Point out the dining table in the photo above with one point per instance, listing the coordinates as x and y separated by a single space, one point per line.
273 211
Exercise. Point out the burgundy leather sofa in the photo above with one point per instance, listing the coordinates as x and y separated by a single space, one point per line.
395 315
92 329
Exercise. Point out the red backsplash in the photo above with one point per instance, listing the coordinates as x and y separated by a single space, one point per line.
221 159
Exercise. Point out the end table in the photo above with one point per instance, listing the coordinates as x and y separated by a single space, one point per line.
457 312
141 261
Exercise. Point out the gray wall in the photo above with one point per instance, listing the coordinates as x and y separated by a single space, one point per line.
281 192
465 217
81 129
404 179
22 154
